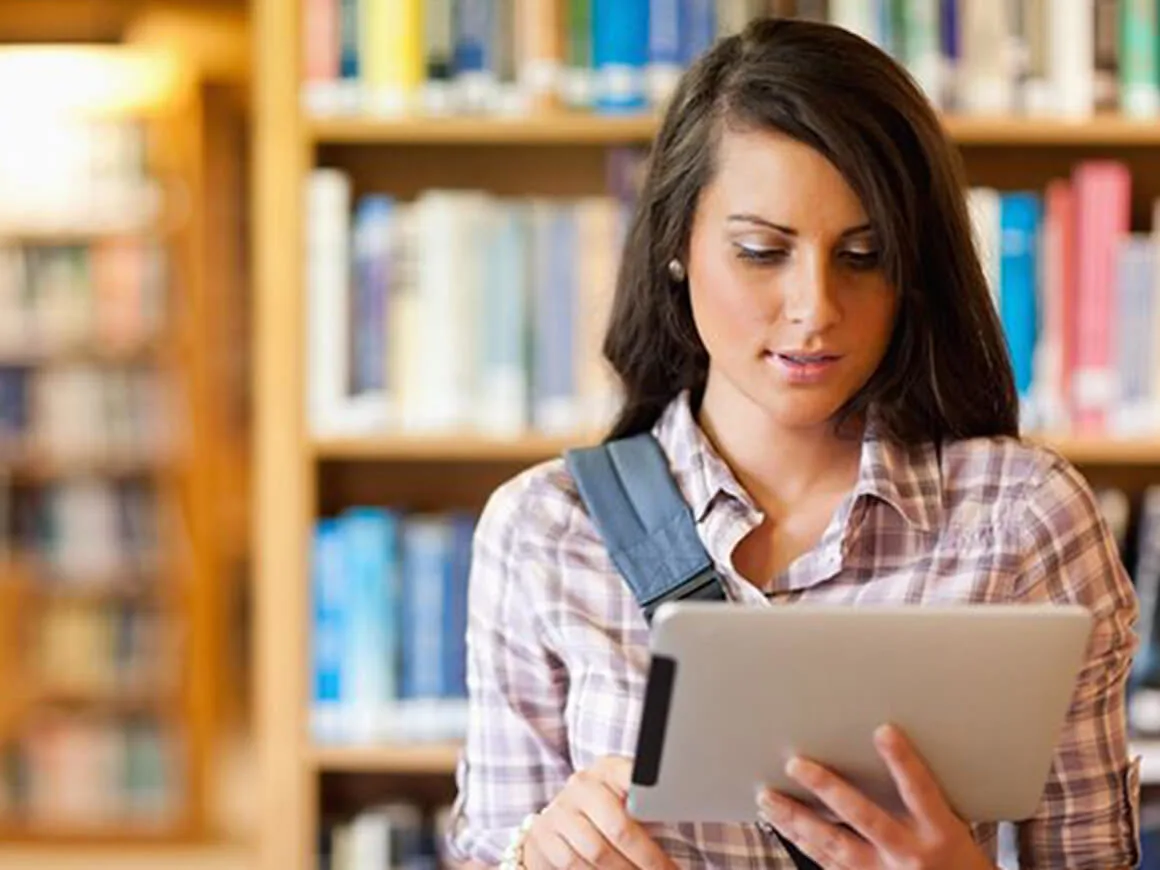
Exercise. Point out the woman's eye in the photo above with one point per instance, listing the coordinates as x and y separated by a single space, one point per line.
754 254
863 260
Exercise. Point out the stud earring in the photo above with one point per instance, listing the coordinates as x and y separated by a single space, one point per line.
676 270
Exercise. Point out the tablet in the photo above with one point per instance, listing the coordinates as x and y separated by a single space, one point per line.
734 692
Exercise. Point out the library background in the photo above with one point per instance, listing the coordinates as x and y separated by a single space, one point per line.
287 287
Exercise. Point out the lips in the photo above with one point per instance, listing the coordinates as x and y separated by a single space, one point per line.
807 358
803 358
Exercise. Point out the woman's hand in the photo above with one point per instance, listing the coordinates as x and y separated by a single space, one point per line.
930 835
587 825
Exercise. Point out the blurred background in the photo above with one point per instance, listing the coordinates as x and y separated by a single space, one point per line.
287 287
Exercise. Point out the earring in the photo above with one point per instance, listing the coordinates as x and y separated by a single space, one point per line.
676 270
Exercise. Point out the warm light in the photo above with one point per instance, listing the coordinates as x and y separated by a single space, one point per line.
84 80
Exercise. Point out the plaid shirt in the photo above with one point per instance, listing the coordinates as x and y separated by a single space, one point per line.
558 649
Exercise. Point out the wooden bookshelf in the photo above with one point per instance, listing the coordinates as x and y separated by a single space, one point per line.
536 448
572 128
299 477
181 587
437 759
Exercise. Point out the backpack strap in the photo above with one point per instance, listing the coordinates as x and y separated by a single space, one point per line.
644 521
650 533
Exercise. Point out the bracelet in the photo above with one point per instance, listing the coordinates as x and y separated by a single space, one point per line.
513 855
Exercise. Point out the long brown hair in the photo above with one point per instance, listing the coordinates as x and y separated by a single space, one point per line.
946 373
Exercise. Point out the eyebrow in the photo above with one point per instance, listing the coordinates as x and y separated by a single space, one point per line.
790 231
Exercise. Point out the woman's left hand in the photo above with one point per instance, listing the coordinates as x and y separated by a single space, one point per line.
930 835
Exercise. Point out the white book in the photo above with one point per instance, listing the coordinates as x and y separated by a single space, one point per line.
502 353
987 62
448 256
328 286
857 16
1071 56
983 205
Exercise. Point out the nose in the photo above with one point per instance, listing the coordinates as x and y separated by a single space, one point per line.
809 298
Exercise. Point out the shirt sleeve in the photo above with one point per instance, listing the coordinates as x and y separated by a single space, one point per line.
1088 816
515 758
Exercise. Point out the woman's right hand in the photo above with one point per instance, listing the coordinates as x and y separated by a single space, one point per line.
587 825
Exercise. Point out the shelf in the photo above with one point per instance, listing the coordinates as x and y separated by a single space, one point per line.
434 759
558 128
1103 451
564 128
1099 130
536 448
447 448
61 835
27 357
44 470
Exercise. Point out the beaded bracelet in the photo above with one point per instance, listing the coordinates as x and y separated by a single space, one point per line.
513 855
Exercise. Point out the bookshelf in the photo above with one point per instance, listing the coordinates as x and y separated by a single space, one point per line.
301 477
173 584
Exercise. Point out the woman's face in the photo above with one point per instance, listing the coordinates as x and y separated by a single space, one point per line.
788 291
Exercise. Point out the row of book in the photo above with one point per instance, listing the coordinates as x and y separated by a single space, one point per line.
78 771
105 295
69 174
386 836
80 412
96 649
1079 296
460 311
390 57
83 533
389 594
505 336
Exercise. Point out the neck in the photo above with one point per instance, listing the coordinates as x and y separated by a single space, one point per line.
806 461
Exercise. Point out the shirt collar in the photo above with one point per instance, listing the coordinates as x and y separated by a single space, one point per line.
906 477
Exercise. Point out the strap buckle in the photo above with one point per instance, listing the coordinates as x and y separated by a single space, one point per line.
705 585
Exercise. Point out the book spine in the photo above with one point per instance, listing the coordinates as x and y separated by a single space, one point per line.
620 35
1139 66
328 288
1019 227
329 634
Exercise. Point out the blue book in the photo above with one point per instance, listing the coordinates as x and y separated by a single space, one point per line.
554 273
349 66
426 548
372 281
328 637
455 624
665 31
473 22
505 341
700 28
1019 222
369 537
620 37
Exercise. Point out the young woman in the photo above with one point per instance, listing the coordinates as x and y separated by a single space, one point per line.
802 322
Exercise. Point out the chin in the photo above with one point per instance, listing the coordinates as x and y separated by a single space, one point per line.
794 410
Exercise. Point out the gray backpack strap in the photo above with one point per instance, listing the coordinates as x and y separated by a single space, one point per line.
644 521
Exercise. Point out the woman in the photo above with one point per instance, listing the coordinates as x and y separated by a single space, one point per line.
802 322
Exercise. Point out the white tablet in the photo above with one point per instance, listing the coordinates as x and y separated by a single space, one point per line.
734 692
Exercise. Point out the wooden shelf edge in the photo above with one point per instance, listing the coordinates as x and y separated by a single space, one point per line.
446 448
534 448
435 759
14 832
575 128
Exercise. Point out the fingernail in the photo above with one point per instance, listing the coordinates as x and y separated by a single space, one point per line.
771 806
797 768
884 736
